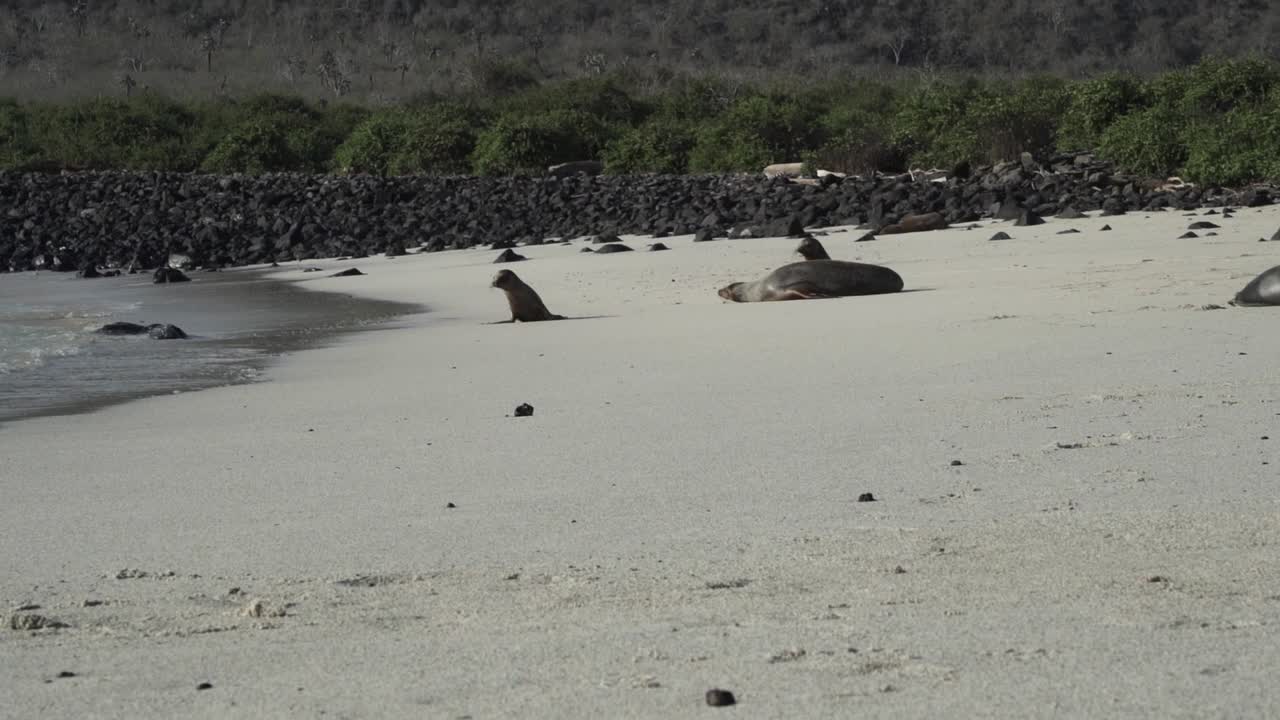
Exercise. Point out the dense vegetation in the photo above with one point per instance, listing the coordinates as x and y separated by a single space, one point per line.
1217 122
377 52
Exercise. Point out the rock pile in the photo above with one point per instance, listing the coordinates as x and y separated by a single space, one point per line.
84 221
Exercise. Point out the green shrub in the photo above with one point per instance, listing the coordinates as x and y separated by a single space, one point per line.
254 146
600 97
755 132
933 126
698 98
146 133
519 143
333 127
1242 147
372 146
437 140
660 145
1094 105
856 140
1215 120
16 149
1167 89
1215 86
1014 120
1146 141
271 133
942 125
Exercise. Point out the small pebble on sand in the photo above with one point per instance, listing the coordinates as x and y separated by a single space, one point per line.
720 698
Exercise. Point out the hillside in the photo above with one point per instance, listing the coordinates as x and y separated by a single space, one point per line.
385 51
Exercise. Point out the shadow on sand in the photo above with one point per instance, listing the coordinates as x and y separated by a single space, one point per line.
580 317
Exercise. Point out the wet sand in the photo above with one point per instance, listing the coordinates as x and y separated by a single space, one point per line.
239 321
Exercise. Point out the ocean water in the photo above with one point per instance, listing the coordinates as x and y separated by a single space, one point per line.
51 361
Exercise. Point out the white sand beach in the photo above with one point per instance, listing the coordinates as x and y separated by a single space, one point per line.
681 511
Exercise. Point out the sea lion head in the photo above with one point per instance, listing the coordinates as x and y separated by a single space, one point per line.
730 292
811 249
504 279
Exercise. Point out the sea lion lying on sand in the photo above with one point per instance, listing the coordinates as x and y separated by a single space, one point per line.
525 304
813 279
916 223
811 249
1262 290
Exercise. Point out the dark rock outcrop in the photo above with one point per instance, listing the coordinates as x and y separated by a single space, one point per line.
138 220
166 332
612 248
159 331
509 255
168 275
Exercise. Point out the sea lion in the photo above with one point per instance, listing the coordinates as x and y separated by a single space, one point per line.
813 279
525 304
811 249
916 223
1262 290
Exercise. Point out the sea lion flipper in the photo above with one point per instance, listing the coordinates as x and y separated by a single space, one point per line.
803 292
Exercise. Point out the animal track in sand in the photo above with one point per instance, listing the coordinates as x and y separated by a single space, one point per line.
1093 442
378 580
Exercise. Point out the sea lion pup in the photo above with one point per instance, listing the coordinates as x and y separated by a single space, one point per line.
1262 290
811 249
813 279
525 304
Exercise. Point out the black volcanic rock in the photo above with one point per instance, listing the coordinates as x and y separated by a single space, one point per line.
122 328
612 248
1009 209
1255 197
168 275
166 332
138 220
509 255
1028 217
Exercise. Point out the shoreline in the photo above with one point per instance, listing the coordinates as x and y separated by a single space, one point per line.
371 533
240 322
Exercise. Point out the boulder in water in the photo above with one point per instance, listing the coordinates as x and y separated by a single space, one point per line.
169 275
159 331
166 332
